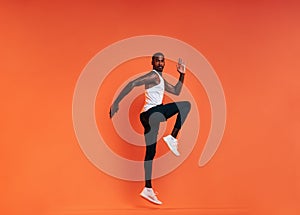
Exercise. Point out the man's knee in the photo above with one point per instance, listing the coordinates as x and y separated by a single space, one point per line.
186 106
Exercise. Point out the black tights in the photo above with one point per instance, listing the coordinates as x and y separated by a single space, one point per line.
151 119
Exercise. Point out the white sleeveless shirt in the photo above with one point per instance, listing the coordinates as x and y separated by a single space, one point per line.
154 95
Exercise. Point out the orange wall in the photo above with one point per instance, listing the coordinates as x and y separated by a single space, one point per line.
254 48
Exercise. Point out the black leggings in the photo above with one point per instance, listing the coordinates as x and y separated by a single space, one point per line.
150 120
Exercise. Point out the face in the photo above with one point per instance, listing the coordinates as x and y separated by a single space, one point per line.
158 63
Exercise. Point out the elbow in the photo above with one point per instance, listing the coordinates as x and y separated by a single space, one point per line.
177 92
130 85
177 89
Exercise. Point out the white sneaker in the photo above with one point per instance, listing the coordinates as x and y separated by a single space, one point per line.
149 194
172 144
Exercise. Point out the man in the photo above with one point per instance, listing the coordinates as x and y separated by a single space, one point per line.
155 112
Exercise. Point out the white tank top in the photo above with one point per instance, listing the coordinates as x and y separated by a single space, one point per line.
154 95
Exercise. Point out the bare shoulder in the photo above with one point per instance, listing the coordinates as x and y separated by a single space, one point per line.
154 76
147 79
152 79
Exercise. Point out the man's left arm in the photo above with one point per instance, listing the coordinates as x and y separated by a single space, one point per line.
177 88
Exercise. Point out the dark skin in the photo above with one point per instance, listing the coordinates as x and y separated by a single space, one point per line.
151 79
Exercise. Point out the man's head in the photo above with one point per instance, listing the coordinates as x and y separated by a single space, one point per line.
158 61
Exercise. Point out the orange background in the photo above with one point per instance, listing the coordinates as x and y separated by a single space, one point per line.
252 45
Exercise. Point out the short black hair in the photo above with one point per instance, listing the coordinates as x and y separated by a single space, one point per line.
157 54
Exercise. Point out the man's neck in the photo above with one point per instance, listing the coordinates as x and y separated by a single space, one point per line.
159 72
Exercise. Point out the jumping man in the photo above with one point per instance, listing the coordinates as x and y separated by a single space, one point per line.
155 112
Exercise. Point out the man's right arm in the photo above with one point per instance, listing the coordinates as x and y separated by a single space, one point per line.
143 80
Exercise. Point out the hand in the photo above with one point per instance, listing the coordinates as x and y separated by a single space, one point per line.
181 66
113 109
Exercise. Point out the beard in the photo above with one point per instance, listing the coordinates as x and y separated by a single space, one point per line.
159 68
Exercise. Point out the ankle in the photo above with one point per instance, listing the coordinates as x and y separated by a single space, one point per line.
175 132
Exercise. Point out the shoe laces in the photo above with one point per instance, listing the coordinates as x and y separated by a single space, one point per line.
175 143
153 193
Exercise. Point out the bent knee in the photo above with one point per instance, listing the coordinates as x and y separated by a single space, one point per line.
187 105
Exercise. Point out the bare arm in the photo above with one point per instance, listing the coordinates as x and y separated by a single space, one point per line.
143 80
177 88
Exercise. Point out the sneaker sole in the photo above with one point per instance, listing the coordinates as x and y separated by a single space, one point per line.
171 148
150 200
